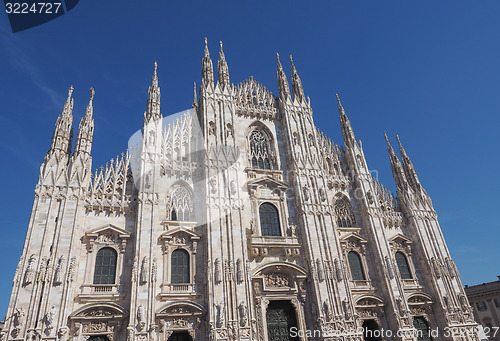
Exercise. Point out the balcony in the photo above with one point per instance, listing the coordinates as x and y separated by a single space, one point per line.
184 290
263 245
101 292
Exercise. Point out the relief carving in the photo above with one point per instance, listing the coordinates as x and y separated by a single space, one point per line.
275 279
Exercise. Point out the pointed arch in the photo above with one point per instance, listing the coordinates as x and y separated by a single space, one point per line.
181 202
344 212
261 147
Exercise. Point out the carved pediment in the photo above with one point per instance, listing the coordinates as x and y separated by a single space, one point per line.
369 302
400 242
419 299
101 310
180 236
353 241
181 309
266 185
399 238
108 235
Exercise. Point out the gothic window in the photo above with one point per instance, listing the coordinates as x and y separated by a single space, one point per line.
423 330
181 204
343 211
179 267
260 150
105 266
402 262
269 220
356 266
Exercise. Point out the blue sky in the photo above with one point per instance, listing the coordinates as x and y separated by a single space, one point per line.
426 70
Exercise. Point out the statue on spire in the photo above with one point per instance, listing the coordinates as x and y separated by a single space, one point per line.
283 87
397 170
345 124
298 90
85 130
207 71
153 104
61 139
409 169
223 70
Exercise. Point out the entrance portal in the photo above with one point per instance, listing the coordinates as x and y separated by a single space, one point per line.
98 338
182 336
280 318
371 331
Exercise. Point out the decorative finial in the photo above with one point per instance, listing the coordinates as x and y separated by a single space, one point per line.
397 138
156 67
220 44
206 42
291 60
385 135
92 93
338 100
70 91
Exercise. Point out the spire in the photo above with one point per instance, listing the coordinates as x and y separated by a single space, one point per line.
408 168
153 104
86 129
207 71
223 76
345 124
283 88
397 170
61 139
298 90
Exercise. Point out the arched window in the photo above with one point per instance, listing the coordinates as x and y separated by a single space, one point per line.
423 331
343 211
269 220
181 204
402 262
260 150
179 267
105 266
356 266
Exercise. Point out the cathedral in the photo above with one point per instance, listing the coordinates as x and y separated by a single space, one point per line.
237 219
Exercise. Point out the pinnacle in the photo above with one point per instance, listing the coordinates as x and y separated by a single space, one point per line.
387 139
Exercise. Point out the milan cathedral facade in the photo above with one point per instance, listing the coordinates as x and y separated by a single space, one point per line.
236 220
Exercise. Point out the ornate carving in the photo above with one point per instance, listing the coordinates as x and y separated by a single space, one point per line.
327 311
243 314
49 319
71 269
141 318
29 275
239 271
220 316
276 279
321 272
144 270
217 271
58 276
62 333
389 267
